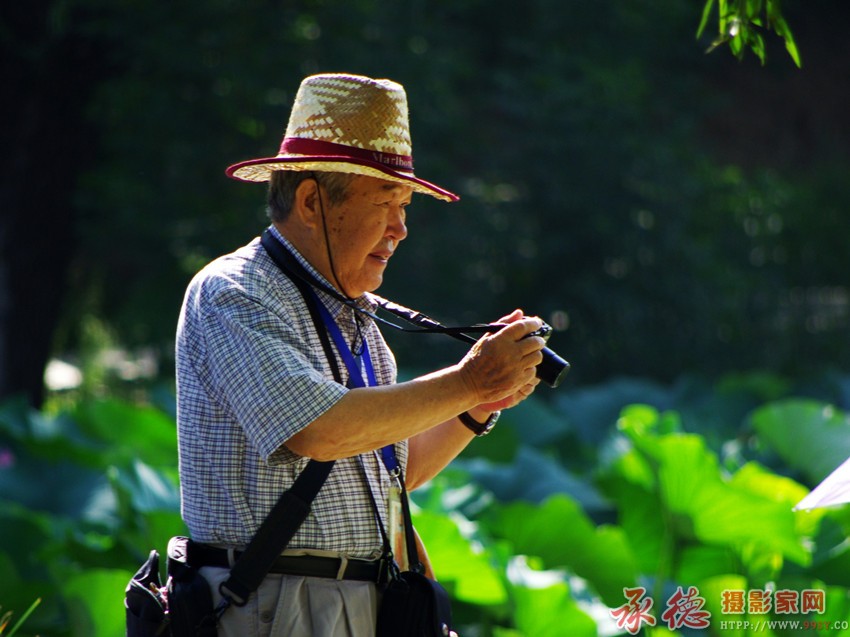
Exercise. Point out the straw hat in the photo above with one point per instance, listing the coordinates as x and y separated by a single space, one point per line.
346 123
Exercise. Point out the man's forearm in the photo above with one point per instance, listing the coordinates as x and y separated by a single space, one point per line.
432 450
494 371
371 417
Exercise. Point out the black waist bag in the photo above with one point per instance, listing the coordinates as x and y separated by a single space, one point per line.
183 608
414 606
144 602
190 602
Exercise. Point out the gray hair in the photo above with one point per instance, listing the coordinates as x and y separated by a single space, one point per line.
284 183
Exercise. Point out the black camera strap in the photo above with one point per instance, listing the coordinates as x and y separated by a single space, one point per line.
287 262
293 506
552 370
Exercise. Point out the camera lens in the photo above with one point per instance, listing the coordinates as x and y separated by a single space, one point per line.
552 369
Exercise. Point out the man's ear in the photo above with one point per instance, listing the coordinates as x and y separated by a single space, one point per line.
307 204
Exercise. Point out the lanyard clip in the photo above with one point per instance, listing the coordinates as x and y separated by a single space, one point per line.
390 462
395 477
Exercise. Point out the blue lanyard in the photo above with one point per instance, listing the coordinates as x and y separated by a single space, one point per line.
355 375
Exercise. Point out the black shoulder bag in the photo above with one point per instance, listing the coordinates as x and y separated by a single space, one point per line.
184 607
412 605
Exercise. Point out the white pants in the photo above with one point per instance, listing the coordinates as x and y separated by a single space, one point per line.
296 606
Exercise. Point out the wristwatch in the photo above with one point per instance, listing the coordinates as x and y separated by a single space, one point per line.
479 428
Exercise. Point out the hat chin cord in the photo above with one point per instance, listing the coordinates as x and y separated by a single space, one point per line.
336 280
357 317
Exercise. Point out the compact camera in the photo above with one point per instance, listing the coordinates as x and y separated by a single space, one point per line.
552 369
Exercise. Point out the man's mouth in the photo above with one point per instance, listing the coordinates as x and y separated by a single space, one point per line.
382 255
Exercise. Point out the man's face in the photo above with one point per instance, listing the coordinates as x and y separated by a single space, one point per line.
364 231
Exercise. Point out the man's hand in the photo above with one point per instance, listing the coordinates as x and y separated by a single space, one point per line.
506 403
500 367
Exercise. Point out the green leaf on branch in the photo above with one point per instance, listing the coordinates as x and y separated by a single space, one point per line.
706 13
782 29
739 24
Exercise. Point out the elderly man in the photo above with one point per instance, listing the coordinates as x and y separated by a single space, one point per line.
261 391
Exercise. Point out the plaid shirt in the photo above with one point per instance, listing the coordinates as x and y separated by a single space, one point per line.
251 372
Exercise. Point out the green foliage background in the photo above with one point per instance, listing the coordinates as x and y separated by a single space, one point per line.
535 531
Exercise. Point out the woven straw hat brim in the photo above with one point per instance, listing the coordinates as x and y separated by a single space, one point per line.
350 124
259 170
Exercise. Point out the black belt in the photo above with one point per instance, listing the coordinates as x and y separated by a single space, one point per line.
304 565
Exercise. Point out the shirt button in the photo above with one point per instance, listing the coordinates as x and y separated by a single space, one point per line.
266 617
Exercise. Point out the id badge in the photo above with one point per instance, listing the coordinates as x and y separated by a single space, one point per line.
395 528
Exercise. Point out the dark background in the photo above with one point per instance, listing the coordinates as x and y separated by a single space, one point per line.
670 211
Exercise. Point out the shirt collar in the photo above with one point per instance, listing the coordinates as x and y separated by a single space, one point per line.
364 301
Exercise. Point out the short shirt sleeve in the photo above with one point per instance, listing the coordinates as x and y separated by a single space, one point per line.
267 374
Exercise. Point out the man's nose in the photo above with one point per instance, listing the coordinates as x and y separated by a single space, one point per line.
396 228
